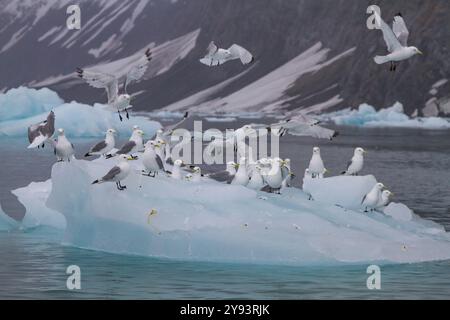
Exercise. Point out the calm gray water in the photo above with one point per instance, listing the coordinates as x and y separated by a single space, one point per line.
414 164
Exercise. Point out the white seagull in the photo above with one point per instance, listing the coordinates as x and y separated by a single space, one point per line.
41 132
274 177
355 165
241 177
151 160
104 146
316 166
135 144
64 149
256 180
117 173
176 170
216 56
227 175
118 102
384 199
371 199
396 40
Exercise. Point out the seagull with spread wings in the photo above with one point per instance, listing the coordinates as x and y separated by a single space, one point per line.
396 40
119 102
216 56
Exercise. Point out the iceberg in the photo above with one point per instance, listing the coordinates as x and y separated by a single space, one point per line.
209 221
368 116
22 107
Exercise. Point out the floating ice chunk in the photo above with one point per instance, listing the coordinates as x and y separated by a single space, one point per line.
344 191
398 211
368 116
209 221
34 197
24 102
78 120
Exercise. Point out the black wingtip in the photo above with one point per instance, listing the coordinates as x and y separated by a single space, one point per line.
186 114
336 133
148 54
87 155
95 182
399 14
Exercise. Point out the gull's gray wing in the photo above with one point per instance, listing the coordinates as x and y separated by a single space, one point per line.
241 53
400 29
33 132
111 174
101 80
48 128
138 70
389 37
315 132
221 176
159 162
99 146
127 147
212 49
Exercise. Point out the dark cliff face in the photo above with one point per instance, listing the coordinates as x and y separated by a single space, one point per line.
275 31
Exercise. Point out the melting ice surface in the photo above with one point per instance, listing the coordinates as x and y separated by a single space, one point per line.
22 107
209 221
394 116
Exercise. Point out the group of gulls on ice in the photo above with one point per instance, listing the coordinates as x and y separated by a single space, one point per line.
267 174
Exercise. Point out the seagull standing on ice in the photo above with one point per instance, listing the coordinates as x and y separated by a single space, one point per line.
104 146
135 144
256 180
274 177
216 56
286 173
176 170
356 164
316 166
241 177
118 102
371 199
384 199
39 133
151 160
396 40
63 148
117 173
226 175
196 175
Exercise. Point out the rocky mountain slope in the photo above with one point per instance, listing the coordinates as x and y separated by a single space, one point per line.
313 55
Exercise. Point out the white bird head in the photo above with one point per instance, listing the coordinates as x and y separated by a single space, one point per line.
415 50
139 132
135 127
387 194
150 144
61 131
196 170
111 131
179 163
316 150
160 142
124 157
258 168
232 166
380 186
360 151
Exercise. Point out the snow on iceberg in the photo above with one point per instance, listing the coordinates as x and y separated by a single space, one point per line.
368 116
209 221
25 106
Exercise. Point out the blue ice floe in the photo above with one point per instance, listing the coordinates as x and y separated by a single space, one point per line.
209 221
21 107
368 116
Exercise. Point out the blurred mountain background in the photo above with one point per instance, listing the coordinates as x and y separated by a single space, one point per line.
311 55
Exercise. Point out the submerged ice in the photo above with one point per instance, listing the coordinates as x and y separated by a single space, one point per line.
209 221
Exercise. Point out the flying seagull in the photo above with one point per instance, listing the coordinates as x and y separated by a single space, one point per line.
299 125
119 102
396 40
216 56
41 132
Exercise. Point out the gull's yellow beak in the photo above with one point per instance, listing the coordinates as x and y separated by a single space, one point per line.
130 158
420 52
236 165
365 152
